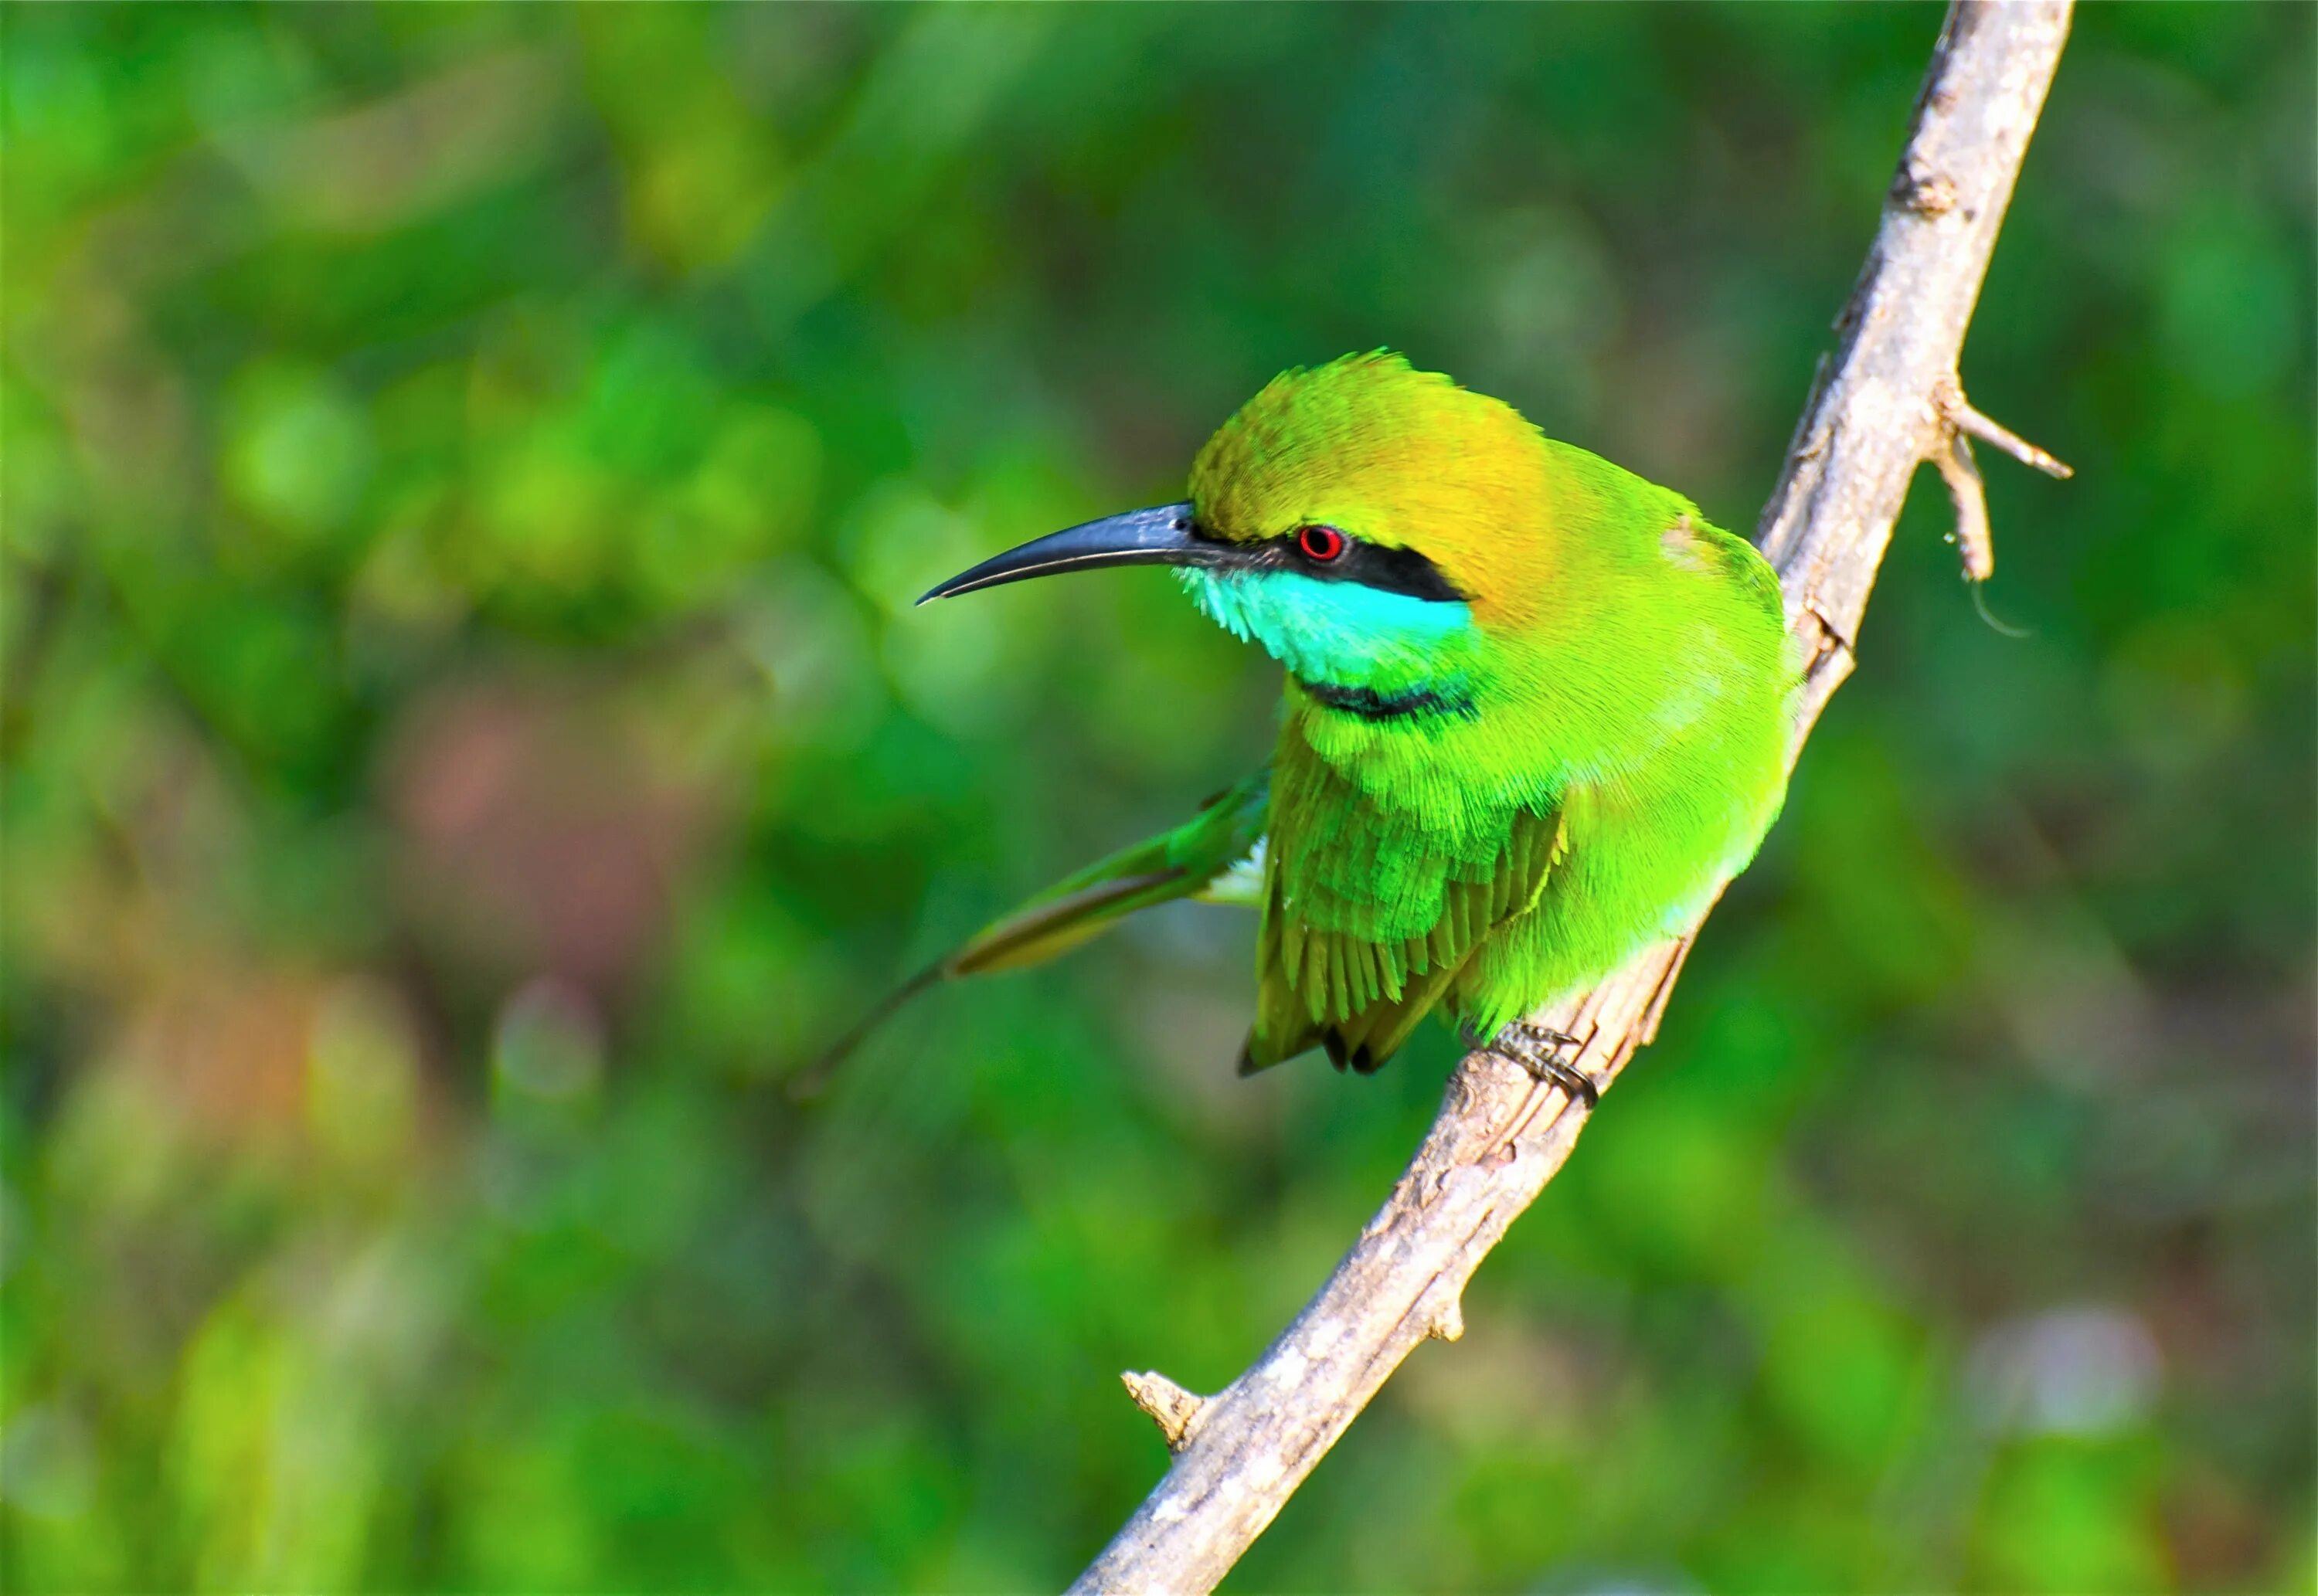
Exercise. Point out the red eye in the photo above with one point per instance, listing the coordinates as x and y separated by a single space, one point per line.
1322 543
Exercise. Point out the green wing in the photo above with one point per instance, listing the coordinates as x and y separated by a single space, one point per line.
1214 855
1369 918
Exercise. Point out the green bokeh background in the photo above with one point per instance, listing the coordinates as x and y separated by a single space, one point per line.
466 736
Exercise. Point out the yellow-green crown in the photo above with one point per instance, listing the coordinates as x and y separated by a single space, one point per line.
1388 453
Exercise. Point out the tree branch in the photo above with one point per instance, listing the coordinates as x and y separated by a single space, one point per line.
1889 402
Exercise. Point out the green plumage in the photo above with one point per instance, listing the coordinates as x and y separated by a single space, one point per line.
1535 713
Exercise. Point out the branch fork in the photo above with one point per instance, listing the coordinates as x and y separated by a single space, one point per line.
1959 423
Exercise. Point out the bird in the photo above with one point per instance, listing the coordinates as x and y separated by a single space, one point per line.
1534 717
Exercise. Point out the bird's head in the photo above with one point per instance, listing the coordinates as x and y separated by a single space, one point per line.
1368 524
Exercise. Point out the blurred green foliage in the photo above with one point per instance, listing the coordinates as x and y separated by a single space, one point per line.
466 736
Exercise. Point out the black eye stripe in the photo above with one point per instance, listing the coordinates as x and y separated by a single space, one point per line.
1372 565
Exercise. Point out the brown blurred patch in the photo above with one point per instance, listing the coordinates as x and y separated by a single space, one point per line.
537 834
227 1046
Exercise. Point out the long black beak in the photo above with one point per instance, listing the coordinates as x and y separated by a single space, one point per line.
1164 534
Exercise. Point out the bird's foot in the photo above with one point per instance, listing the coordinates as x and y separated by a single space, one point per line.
1550 1057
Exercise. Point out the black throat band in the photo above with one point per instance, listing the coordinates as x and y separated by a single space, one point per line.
1373 706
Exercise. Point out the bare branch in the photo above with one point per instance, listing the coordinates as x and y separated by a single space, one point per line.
1888 403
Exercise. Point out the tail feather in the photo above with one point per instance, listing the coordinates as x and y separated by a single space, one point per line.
808 1082
1187 862
1036 933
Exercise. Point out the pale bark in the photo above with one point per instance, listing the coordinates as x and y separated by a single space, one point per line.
1889 402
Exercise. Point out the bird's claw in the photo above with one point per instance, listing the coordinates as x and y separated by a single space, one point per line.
1540 1050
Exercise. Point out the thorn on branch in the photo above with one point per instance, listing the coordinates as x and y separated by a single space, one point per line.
1448 1323
1175 1411
1957 412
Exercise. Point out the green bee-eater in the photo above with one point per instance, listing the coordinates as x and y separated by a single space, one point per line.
1535 713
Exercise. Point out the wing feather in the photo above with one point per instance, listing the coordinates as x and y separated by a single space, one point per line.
1368 917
